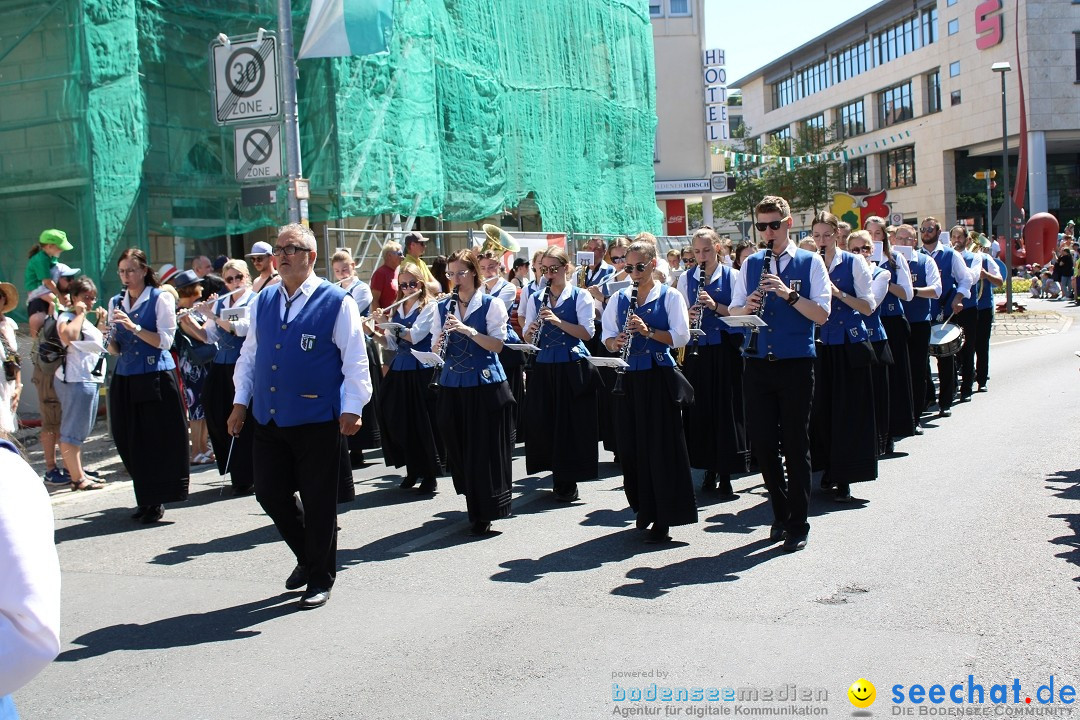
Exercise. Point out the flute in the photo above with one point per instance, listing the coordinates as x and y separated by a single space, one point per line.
187 311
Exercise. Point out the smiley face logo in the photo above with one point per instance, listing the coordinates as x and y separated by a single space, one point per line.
862 693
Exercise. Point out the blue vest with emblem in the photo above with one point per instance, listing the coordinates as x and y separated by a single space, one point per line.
845 324
944 259
971 260
917 308
875 330
555 345
467 364
298 374
646 353
789 334
985 288
136 356
891 306
405 360
228 344
720 291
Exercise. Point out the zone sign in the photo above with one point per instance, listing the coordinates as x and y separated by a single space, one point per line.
245 75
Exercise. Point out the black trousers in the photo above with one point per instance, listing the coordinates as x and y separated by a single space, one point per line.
968 322
778 396
983 327
304 459
919 361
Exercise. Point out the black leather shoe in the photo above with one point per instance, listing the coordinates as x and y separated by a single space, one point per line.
139 512
297 579
965 397
243 492
918 430
795 542
313 598
708 483
658 534
480 528
567 497
641 524
723 486
890 447
428 485
947 412
776 532
843 494
826 483
983 388
152 514
407 483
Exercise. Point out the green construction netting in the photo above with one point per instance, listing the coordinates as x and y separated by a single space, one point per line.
108 127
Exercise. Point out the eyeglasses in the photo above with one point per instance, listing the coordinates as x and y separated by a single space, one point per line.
409 285
233 278
617 259
822 236
929 229
865 250
551 269
460 274
130 271
289 250
638 267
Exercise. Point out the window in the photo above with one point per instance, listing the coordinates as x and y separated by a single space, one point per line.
898 167
950 3
813 130
933 92
852 120
954 98
802 83
954 69
678 8
906 36
854 174
851 61
954 26
894 105
783 135
1076 39
656 8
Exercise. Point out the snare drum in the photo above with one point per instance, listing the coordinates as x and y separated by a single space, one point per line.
945 339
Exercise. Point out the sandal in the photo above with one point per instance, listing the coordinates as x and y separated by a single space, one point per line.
84 483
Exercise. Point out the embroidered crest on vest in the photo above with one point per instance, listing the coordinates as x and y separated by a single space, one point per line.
307 343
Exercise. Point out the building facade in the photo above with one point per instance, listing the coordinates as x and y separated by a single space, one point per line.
909 89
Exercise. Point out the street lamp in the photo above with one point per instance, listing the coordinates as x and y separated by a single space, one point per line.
1002 68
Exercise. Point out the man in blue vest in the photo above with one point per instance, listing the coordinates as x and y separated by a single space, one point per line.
926 287
303 370
792 294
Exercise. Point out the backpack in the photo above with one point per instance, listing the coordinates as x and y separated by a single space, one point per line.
51 352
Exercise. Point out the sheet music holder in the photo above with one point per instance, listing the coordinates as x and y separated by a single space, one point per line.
617 285
428 359
234 314
393 327
695 332
907 252
878 253
522 347
738 321
611 362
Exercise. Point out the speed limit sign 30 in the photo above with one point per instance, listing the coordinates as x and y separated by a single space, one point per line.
245 79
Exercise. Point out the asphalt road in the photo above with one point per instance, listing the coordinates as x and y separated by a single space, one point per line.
962 559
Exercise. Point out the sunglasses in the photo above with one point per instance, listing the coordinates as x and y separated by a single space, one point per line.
460 274
929 229
409 285
865 250
689 261
233 278
771 225
638 267
616 259
549 269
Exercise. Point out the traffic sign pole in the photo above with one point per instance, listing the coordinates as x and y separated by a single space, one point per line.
292 127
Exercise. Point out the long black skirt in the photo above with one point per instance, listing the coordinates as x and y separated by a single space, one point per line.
901 407
843 431
410 435
561 407
714 425
368 438
477 425
879 375
217 402
605 409
150 430
513 363
652 447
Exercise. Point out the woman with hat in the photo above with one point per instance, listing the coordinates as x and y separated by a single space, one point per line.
148 423
11 382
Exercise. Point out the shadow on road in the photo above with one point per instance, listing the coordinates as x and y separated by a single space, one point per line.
1066 485
231 623
590 555
233 543
725 567
447 528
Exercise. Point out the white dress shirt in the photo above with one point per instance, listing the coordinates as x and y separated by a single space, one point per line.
496 319
674 306
819 292
240 326
902 277
860 272
960 271
29 575
427 322
165 312
583 308
361 293
348 337
78 365
503 290
879 287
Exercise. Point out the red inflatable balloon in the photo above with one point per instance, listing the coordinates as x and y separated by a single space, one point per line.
1040 239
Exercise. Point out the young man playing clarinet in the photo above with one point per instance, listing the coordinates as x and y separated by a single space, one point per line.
792 294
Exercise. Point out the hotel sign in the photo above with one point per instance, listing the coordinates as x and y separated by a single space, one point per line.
714 75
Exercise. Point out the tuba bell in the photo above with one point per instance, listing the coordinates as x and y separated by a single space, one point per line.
498 241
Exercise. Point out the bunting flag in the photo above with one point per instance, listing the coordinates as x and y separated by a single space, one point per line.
789 162
339 28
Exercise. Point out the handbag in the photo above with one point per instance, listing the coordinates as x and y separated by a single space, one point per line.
195 351
11 360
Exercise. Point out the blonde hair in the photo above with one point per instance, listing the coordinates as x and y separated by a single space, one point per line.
240 266
643 247
860 235
413 269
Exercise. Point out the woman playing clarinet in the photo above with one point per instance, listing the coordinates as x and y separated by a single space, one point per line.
561 401
475 406
641 324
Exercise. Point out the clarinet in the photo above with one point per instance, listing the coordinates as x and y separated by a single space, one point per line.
545 296
624 354
451 305
752 343
110 330
701 310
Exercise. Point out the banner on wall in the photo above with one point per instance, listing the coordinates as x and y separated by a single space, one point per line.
854 209
675 217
